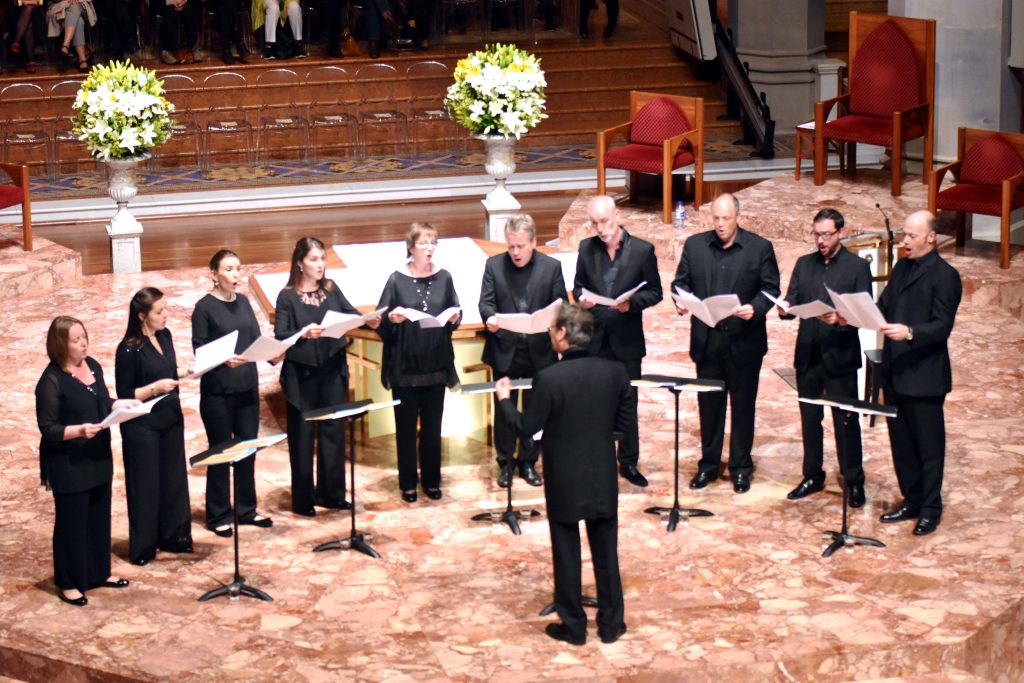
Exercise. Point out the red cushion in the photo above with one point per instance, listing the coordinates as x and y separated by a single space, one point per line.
990 161
643 158
10 195
984 199
885 75
869 130
657 121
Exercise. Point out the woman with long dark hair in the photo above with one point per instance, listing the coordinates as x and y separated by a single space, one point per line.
229 396
75 460
153 446
418 362
314 375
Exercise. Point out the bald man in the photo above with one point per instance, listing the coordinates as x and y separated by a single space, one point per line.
728 260
920 303
610 263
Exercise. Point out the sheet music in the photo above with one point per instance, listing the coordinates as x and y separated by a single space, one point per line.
209 356
858 308
529 323
587 295
489 387
336 325
120 415
267 348
358 410
710 311
802 311
425 319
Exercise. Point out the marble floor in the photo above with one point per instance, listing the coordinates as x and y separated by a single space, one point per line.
741 596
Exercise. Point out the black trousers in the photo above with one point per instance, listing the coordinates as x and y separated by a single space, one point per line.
229 27
171 19
918 438
123 16
157 487
230 416
568 569
81 538
629 449
325 390
741 390
813 382
422 12
426 405
505 433
612 7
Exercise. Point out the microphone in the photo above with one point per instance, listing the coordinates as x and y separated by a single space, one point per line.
888 228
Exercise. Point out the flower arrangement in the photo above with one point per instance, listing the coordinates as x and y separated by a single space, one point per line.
120 111
498 91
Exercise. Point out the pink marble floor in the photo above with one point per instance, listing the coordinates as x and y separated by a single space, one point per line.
741 596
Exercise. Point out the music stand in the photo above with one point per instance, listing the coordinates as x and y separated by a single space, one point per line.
850 406
677 385
509 515
350 412
230 453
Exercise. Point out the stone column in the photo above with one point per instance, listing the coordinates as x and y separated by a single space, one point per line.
781 41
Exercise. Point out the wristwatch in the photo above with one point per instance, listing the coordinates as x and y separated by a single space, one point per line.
910 333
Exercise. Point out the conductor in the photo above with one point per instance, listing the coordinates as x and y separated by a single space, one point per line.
578 402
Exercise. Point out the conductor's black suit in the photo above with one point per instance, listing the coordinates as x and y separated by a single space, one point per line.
578 402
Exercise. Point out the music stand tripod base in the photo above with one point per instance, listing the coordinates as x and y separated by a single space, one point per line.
234 589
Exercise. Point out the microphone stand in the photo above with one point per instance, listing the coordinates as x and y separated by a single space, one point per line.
889 242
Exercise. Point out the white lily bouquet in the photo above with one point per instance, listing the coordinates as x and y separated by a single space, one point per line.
120 111
498 91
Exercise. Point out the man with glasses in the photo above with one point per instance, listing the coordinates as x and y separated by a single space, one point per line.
728 260
827 354
522 280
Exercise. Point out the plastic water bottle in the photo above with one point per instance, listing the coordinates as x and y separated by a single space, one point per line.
678 216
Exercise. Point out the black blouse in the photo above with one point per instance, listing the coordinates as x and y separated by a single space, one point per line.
61 399
213 318
309 359
413 355
134 368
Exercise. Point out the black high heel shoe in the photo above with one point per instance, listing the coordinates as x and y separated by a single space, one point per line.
80 601
409 496
117 583
433 494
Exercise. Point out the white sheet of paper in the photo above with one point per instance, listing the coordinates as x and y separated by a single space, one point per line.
710 311
803 311
587 295
209 356
529 323
337 325
120 415
370 407
267 348
425 319
858 308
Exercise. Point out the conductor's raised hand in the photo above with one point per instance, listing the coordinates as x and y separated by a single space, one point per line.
503 388
744 312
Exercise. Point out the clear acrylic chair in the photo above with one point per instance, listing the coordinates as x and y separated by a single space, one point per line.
332 112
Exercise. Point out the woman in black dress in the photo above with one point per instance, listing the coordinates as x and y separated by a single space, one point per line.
419 362
229 400
314 375
153 445
75 460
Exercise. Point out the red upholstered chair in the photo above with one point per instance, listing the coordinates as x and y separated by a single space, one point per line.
988 175
890 97
17 193
665 132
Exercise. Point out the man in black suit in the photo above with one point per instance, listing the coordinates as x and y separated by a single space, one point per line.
921 299
827 354
521 280
578 402
728 260
610 263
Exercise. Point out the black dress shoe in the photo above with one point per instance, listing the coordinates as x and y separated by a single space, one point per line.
433 494
900 514
409 496
119 583
223 531
181 547
260 521
631 474
374 49
740 482
609 639
608 31
560 631
926 525
529 474
310 512
229 59
857 497
80 601
505 476
142 561
806 487
333 504
702 479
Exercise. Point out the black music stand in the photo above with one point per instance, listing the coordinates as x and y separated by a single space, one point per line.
350 412
850 406
677 385
230 453
509 515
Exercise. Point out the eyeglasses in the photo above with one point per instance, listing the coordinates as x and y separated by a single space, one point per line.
424 245
823 235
